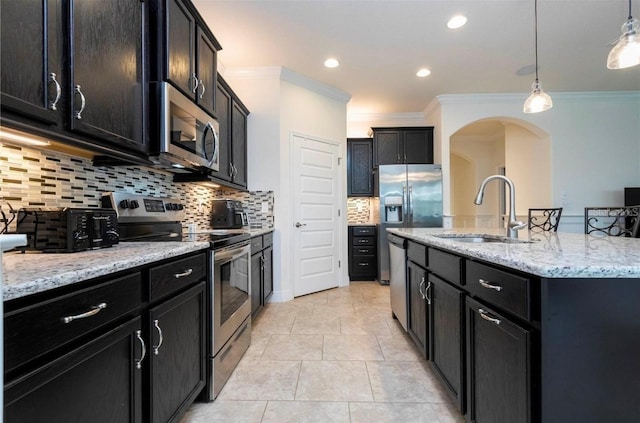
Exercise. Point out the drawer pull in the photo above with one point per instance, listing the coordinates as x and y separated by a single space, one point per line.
487 316
156 348
94 310
363 241
489 285
183 274
144 350
363 264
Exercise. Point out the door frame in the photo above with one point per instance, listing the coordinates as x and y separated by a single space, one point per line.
343 279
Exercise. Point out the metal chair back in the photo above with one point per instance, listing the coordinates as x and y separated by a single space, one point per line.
545 219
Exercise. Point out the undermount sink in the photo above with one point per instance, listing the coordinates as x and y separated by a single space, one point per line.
481 238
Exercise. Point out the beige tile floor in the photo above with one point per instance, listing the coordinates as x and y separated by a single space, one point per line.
334 356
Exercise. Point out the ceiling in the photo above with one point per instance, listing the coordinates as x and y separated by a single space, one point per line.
381 44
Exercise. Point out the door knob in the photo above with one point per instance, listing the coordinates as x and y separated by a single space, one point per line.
298 224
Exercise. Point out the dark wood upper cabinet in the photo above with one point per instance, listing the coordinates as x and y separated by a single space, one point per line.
190 55
232 117
359 167
413 145
32 74
108 79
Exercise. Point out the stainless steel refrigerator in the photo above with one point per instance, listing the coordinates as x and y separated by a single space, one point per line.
410 197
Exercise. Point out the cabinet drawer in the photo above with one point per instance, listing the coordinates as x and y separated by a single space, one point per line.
417 253
267 240
445 265
363 240
364 230
178 274
364 251
502 289
364 264
256 244
35 330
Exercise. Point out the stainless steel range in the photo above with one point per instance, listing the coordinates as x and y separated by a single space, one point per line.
142 218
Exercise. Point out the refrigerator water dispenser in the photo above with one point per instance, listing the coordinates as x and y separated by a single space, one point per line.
393 209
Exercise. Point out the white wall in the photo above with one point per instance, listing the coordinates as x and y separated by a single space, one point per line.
282 102
595 141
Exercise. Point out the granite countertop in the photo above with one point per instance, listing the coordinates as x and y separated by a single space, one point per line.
362 223
34 272
550 255
260 231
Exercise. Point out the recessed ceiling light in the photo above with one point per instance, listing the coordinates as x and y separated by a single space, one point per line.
423 72
331 63
456 22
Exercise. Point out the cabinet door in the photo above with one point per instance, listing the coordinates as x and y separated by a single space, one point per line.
417 146
417 306
31 52
446 332
498 367
181 35
359 168
223 109
387 145
177 353
98 382
206 73
108 93
267 273
256 282
239 144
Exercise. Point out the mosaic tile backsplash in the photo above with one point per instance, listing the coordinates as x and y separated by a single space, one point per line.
362 210
31 177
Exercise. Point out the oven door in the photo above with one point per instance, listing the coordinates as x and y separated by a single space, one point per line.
231 299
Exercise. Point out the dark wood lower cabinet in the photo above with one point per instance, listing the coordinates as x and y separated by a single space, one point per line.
446 332
256 282
417 306
498 367
97 382
261 271
177 354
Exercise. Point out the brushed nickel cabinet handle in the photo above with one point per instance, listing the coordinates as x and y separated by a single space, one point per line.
54 104
94 310
489 285
144 350
156 348
487 316
183 274
420 288
426 293
203 89
195 81
83 102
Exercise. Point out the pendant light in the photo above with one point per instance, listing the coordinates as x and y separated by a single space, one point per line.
538 101
626 52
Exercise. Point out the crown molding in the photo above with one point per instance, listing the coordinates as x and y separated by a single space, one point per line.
519 97
292 77
399 118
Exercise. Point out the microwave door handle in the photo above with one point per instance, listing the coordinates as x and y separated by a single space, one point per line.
209 127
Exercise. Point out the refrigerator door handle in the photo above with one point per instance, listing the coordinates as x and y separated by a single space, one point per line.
405 202
411 204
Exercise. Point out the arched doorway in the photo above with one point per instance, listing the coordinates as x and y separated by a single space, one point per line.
493 146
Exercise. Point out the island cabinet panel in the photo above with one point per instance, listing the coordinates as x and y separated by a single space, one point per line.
498 367
97 382
590 343
417 324
446 334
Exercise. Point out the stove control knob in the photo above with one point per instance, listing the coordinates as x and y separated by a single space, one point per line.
133 204
179 206
124 204
170 206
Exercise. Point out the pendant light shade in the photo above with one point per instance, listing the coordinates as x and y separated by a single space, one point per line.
626 52
538 101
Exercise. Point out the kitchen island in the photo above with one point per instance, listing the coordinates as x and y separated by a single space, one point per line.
543 329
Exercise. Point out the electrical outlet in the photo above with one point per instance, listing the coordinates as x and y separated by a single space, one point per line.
265 207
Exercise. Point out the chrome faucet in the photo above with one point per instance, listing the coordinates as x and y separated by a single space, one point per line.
514 225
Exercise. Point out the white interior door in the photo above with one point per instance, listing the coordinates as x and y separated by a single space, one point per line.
316 202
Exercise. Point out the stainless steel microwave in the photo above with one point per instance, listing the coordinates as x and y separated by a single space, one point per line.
188 136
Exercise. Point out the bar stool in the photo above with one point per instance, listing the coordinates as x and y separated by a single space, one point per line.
545 219
612 221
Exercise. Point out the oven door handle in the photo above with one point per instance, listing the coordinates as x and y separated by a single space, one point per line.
224 255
